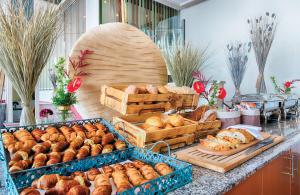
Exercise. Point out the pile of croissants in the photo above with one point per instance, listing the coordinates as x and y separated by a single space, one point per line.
124 177
54 145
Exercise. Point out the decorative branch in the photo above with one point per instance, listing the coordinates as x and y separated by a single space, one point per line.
262 31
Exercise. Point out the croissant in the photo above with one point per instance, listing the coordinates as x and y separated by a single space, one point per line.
102 184
163 168
69 133
76 143
119 167
12 148
41 148
28 144
90 127
107 138
96 140
135 177
100 133
47 181
54 158
129 165
148 172
8 139
39 160
63 186
138 164
108 170
30 191
69 155
82 180
79 190
90 134
20 165
51 130
20 155
120 145
52 191
92 173
121 181
100 126
37 134
23 135
96 149
107 148
77 128
59 146
83 152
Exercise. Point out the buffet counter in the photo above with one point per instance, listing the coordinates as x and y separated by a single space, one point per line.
210 182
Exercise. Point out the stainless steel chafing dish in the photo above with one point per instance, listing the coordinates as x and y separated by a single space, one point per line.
268 104
290 104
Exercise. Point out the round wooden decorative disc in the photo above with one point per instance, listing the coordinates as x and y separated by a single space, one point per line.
122 55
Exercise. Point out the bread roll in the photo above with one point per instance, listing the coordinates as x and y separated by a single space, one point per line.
151 89
131 89
154 121
176 120
162 90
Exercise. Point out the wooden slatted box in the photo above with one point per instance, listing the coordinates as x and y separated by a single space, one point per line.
129 104
175 137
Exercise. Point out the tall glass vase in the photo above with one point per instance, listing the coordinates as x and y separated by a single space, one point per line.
64 113
236 99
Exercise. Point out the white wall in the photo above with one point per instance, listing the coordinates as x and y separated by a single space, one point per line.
217 22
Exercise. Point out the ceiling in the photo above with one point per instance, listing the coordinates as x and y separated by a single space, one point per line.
179 4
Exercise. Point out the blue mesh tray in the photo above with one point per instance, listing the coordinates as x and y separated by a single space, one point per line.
181 175
4 154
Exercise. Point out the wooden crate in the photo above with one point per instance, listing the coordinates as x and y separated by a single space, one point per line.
130 104
183 135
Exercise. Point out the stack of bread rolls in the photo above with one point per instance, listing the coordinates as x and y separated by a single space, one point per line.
58 144
124 176
154 123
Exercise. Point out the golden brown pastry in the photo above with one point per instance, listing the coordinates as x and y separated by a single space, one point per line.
148 172
92 173
152 89
168 126
129 165
37 134
90 127
79 190
41 148
47 181
23 135
209 115
68 132
197 114
90 134
162 90
63 186
96 149
108 138
20 165
69 155
83 152
20 155
76 143
100 127
120 145
102 185
131 89
39 160
163 168
142 90
54 158
28 144
59 146
121 180
155 121
30 191
107 148
135 177
100 133
53 191
108 170
8 139
176 120
96 140
138 164
82 179
119 167
51 130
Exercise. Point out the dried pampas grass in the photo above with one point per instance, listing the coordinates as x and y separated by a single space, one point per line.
182 61
27 40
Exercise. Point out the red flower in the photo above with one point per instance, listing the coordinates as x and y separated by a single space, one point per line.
45 112
199 87
222 93
288 84
74 85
